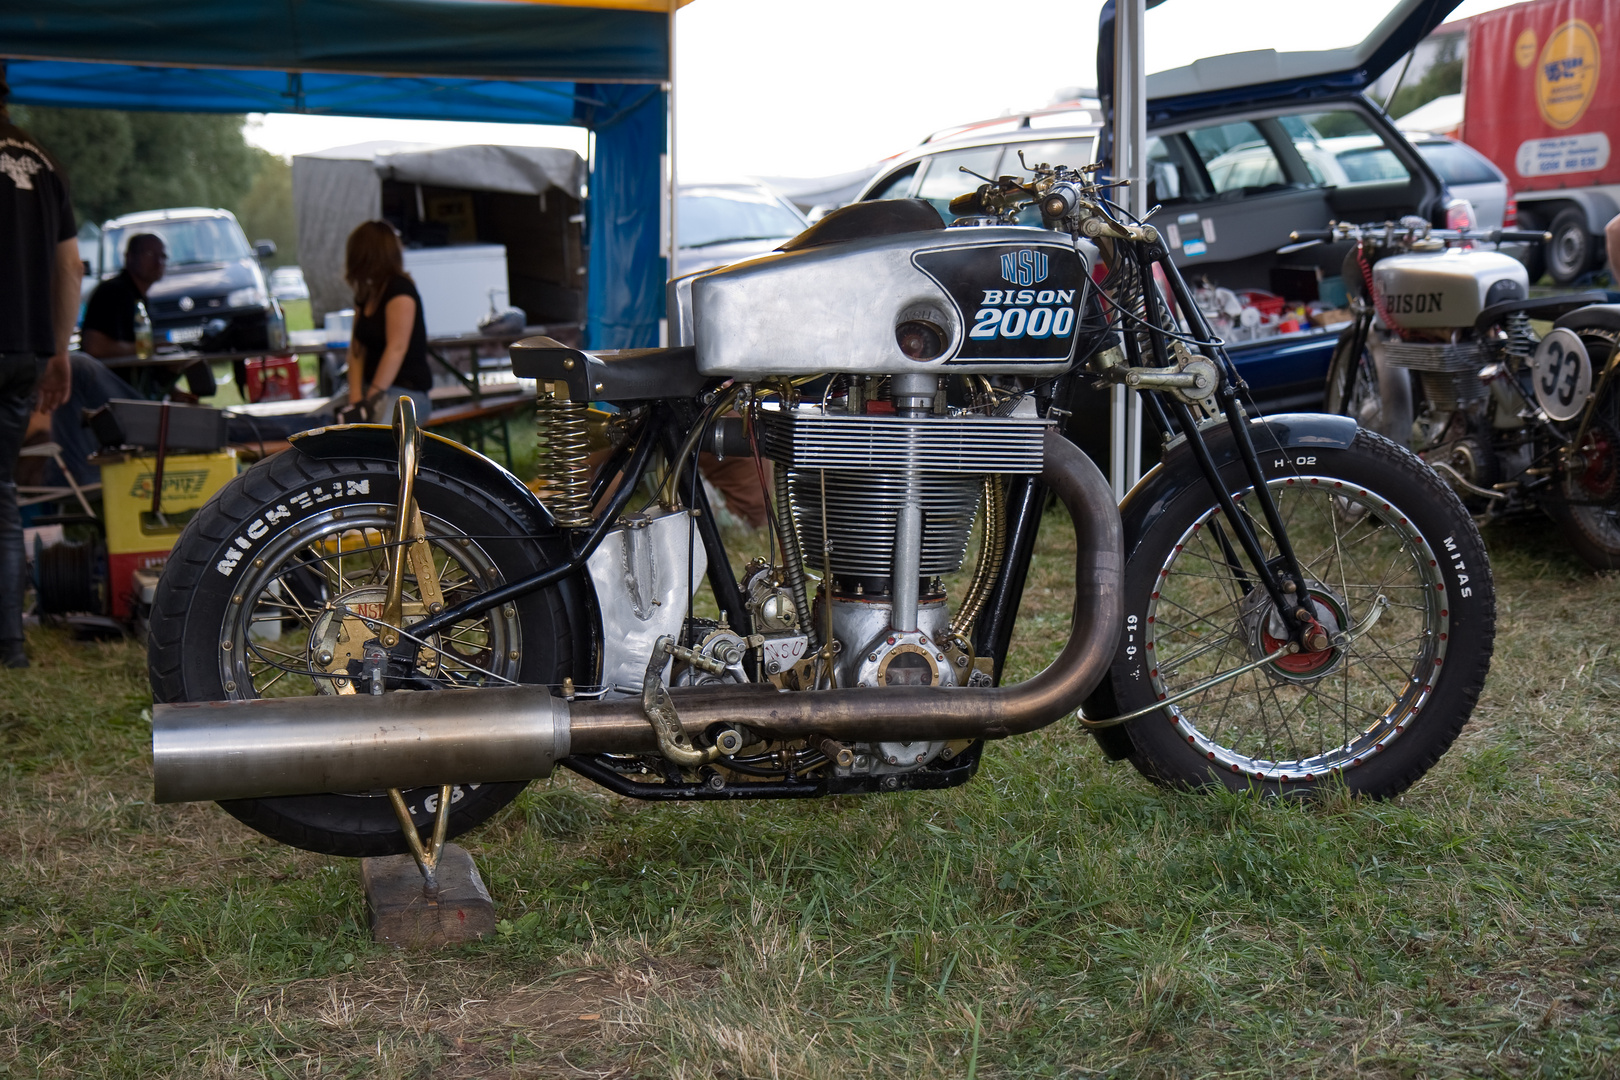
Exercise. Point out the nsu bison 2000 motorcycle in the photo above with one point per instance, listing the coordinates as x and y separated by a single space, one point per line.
373 640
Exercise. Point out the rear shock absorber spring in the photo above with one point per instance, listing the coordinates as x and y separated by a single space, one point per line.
564 476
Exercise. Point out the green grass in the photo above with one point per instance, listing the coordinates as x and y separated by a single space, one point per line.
1057 917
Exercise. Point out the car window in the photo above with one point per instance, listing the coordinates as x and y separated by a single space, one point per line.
1458 164
718 217
944 179
1071 152
897 186
189 241
1341 149
1236 156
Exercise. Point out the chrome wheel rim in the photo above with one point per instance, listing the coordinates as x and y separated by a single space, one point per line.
1277 726
326 575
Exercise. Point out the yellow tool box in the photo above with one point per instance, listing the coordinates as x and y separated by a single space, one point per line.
138 538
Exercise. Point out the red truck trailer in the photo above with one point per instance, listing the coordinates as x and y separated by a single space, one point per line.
1539 103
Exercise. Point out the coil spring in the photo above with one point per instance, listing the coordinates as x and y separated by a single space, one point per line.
1521 339
560 465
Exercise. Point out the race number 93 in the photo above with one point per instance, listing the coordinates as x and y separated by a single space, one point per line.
1562 373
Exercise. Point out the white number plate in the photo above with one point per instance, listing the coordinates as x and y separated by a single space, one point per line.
1562 372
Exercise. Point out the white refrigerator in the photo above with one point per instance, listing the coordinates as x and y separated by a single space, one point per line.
456 284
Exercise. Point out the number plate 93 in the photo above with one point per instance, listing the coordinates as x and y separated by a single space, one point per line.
1562 373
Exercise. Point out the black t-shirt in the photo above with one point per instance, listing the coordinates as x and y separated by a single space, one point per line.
112 307
35 216
371 331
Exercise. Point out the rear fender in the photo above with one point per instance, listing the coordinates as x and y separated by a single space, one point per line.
376 442
1145 503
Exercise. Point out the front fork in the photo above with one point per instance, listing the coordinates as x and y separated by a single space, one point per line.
1282 577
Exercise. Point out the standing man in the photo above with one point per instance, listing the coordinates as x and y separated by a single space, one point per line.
39 300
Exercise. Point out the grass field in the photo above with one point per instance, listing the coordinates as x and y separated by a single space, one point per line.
1057 917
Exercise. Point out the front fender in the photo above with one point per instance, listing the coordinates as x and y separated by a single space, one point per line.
439 454
1178 471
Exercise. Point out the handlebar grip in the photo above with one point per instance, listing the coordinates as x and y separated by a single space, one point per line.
1520 234
1311 234
969 204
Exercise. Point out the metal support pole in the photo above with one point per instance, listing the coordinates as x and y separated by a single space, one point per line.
1130 163
668 241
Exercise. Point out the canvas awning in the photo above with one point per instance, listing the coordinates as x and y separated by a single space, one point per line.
599 64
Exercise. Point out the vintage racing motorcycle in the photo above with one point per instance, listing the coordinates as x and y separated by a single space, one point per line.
1442 357
372 640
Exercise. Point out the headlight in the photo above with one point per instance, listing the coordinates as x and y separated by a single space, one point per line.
251 296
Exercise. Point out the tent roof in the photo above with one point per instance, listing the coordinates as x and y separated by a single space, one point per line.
465 39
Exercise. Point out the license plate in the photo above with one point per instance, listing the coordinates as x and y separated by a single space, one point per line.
185 335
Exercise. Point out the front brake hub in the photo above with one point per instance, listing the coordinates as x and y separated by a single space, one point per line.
1266 631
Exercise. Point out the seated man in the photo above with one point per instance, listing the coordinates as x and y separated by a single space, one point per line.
109 319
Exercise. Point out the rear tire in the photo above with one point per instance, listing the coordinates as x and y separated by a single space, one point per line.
1374 715
265 564
1586 500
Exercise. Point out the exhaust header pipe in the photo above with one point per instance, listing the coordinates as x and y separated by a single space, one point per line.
299 746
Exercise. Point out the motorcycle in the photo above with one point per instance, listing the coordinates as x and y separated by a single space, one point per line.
1441 356
373 640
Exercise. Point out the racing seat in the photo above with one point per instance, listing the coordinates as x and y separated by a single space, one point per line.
623 375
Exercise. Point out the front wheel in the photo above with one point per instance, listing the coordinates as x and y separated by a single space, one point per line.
274 587
1375 713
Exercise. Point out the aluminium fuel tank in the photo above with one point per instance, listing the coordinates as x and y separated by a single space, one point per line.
967 300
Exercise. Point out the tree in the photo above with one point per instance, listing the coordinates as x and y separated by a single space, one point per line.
266 211
119 162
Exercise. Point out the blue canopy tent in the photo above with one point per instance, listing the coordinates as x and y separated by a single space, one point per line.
599 64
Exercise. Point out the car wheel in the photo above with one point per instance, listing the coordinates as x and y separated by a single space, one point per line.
1569 252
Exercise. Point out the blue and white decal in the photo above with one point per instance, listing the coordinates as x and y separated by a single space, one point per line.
1017 303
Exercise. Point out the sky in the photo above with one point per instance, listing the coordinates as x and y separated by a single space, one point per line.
782 88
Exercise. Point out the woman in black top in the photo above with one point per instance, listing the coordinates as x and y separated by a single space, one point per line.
388 348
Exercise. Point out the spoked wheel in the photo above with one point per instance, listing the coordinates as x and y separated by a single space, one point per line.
1402 590
1377 397
1586 501
276 586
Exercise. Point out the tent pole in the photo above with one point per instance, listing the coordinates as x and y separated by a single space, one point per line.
1130 162
670 201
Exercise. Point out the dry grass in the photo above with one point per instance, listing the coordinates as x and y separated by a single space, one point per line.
1056 917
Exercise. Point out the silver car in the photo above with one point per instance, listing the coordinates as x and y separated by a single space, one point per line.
719 224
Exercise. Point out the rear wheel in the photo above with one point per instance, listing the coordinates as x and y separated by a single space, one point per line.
1586 500
1374 713
269 591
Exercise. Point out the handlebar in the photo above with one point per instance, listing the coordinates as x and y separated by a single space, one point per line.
1356 232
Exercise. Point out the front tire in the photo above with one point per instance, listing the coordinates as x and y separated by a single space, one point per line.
265 595
1374 715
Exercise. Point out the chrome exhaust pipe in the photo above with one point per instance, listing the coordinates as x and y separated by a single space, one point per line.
298 746
359 742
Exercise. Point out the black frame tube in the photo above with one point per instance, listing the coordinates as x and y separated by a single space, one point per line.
477 605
